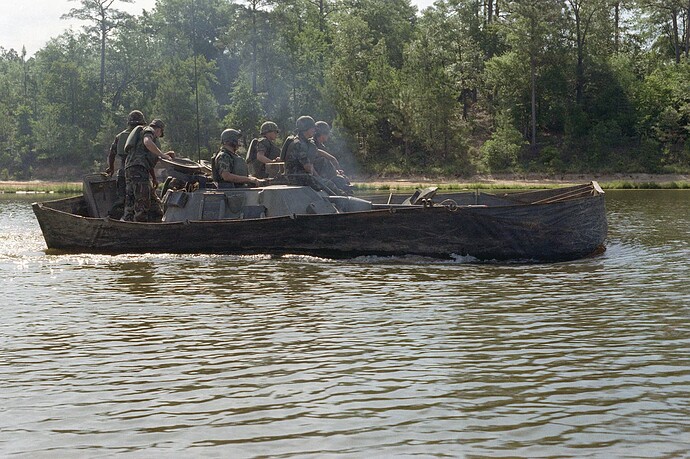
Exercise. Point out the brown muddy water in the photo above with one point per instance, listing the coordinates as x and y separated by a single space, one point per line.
227 356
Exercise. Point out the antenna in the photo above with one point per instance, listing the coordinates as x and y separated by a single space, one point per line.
196 88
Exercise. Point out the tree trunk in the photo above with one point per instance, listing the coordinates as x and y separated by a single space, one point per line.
104 34
687 31
579 71
616 25
465 104
322 17
675 38
25 78
533 77
254 48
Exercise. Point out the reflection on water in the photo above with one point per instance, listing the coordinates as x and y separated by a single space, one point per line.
221 356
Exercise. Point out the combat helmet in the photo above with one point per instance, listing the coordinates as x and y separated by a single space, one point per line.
269 126
231 135
304 123
322 128
136 118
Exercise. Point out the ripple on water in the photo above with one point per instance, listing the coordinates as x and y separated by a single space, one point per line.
161 355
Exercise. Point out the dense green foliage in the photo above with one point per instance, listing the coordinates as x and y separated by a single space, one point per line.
460 88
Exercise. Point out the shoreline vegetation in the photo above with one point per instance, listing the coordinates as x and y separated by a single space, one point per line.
489 182
459 89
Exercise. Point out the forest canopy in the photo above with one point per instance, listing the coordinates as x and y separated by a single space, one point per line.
460 88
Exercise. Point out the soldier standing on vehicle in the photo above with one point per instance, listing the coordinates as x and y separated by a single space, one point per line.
263 150
230 169
143 152
117 150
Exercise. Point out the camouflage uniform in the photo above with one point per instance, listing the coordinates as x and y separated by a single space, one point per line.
118 147
327 171
269 150
322 165
228 161
141 204
300 153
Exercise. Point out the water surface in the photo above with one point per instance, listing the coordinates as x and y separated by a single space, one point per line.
226 356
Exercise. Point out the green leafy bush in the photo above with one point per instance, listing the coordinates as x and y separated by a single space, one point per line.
501 152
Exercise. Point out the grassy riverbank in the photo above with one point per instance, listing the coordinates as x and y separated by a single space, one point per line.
521 183
40 186
529 181
512 181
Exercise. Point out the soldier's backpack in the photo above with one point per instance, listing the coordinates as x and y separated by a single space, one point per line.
251 151
133 138
286 145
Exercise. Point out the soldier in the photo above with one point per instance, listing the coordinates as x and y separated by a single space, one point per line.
263 150
228 168
300 155
301 152
326 164
143 152
117 149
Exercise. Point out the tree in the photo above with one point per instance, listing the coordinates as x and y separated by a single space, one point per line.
104 19
347 79
67 94
500 153
254 13
184 28
304 61
531 27
130 67
669 17
325 8
591 83
245 110
582 15
442 67
390 20
175 103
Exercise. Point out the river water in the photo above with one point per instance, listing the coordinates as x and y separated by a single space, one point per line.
226 356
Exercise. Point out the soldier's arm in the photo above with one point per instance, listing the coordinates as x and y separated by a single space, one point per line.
225 170
153 148
261 154
330 158
234 178
303 158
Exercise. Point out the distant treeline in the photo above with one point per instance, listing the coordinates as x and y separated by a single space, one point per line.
466 86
